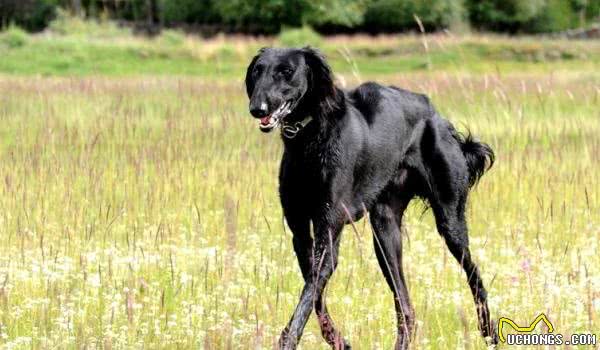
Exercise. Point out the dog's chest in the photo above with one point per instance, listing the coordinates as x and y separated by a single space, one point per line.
308 172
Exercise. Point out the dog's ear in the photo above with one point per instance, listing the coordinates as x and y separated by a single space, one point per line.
320 72
249 80
321 79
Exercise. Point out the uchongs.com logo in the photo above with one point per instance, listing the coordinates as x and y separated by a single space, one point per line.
525 335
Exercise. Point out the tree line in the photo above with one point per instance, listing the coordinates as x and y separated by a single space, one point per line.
326 16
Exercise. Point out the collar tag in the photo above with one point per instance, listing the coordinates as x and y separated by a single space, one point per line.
290 131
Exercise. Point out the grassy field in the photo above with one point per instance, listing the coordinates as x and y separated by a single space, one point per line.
141 211
75 48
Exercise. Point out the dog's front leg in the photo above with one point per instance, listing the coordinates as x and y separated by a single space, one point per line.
325 254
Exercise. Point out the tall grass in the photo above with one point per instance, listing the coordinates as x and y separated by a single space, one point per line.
143 213
75 47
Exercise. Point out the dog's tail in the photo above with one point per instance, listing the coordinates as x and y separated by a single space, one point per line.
480 156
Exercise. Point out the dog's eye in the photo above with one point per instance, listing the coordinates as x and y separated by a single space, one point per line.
286 72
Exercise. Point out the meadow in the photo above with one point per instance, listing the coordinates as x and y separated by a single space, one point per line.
138 203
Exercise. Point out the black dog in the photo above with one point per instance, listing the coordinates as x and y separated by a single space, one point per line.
371 149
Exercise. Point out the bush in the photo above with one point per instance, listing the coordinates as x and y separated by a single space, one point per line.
32 15
504 15
14 37
344 14
557 15
534 16
263 16
394 15
66 24
299 37
188 11
592 10
270 16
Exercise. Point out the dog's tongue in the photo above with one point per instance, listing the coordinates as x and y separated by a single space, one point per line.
265 120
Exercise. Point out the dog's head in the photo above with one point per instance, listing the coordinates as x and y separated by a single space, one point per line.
287 83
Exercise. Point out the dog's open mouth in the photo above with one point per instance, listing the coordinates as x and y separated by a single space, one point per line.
271 121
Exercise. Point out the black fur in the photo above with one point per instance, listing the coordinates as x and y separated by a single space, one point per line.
480 156
372 148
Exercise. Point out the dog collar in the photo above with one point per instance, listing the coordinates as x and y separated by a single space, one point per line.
289 131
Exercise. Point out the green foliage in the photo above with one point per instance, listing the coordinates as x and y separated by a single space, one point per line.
394 15
30 14
256 16
14 37
67 24
556 15
337 13
189 11
299 37
592 9
498 14
535 16
270 16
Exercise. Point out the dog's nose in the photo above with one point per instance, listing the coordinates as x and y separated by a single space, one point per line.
260 110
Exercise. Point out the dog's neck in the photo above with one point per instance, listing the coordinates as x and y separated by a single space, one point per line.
326 115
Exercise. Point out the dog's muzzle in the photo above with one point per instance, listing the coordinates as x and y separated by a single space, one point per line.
271 121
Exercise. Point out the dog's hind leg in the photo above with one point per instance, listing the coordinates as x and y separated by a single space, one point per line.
451 223
447 173
386 218
303 246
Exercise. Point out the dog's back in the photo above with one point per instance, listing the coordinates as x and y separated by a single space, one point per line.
401 131
372 98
